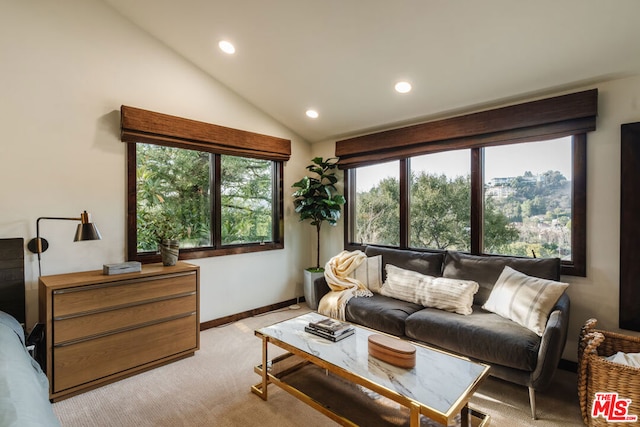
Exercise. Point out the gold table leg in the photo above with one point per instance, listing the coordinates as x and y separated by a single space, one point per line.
415 415
261 388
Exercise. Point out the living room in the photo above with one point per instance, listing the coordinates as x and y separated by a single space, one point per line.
69 66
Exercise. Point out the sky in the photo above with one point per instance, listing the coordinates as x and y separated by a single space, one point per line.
502 161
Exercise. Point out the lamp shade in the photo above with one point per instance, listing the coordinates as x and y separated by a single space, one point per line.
87 231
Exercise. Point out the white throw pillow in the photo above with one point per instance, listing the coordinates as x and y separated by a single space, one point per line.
438 292
370 273
402 284
453 295
524 299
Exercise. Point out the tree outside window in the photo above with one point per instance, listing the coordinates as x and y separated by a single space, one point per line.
526 203
180 192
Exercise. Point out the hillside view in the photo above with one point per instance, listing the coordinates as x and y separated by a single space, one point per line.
539 208
527 215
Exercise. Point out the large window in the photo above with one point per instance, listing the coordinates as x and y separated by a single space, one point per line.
246 191
173 197
178 187
510 181
186 182
440 201
377 198
528 199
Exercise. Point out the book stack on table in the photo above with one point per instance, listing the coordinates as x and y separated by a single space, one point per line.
331 329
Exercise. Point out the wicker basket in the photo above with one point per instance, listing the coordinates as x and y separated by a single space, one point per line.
595 374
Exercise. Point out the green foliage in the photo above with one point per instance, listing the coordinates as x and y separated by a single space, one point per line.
499 233
439 212
540 209
316 198
246 198
535 218
378 214
174 198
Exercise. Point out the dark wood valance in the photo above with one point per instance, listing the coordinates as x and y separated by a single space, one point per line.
532 121
138 125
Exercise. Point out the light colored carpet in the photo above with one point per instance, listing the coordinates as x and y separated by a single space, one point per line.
212 388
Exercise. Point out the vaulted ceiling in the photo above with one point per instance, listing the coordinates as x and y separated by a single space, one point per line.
343 57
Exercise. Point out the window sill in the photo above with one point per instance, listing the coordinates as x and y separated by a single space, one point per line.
185 254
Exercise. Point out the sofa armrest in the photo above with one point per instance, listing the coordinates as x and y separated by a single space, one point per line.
552 344
320 288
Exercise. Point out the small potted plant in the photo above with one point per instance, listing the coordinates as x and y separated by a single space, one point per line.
168 233
317 199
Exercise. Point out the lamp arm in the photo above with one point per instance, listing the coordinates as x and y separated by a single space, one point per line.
38 240
86 231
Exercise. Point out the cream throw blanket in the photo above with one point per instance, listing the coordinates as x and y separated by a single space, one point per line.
343 287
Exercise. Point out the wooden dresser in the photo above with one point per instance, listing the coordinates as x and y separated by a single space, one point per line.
100 328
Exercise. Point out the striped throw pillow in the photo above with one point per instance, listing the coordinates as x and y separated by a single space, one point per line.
524 299
370 273
438 292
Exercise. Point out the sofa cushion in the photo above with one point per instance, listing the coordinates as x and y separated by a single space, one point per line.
482 335
429 263
446 294
486 269
524 299
370 273
379 312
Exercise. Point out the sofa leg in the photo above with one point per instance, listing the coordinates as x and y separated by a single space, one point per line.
532 402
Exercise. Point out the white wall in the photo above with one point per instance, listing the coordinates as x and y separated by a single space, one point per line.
597 294
67 66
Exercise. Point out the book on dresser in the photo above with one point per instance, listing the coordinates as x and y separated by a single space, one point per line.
330 329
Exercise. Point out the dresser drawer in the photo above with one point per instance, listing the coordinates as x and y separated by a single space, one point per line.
106 296
94 325
80 363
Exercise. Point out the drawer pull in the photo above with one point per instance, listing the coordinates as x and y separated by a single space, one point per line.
128 328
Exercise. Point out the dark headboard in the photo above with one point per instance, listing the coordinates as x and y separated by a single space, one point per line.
12 299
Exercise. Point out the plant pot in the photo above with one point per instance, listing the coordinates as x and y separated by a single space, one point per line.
310 294
169 251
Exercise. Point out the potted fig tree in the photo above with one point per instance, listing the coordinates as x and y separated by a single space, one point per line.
316 199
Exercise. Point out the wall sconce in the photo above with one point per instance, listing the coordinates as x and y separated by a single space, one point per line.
86 231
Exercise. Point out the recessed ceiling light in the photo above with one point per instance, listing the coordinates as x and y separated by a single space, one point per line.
312 114
227 47
403 87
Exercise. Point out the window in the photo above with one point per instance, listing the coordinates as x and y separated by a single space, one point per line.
246 191
377 204
172 187
528 200
440 201
510 181
222 198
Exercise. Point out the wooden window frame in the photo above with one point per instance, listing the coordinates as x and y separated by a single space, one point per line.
567 115
143 126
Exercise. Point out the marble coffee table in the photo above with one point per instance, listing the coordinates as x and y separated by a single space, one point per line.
353 388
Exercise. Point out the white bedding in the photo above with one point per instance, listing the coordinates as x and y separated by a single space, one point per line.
24 389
